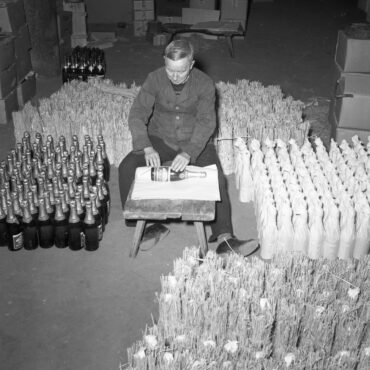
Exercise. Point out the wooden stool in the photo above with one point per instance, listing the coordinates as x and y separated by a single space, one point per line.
142 210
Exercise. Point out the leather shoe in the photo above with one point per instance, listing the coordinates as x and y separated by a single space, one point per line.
234 245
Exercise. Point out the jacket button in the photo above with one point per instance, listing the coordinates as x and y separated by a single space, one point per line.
177 117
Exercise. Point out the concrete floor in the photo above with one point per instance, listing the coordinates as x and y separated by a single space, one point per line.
65 310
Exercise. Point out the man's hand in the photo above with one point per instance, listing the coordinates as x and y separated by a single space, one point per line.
152 157
180 162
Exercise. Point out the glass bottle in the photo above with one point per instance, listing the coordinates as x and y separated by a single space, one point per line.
103 201
105 158
3 228
45 227
97 215
90 229
165 174
33 209
61 234
30 230
76 236
15 233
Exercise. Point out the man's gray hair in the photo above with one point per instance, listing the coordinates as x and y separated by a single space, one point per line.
179 49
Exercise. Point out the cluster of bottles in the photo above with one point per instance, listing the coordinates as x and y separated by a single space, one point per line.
51 196
83 63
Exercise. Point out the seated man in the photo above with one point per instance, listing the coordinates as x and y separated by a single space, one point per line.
172 119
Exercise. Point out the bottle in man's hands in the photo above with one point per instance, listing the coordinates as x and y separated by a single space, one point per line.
165 174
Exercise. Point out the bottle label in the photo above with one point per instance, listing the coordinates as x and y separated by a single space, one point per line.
161 174
18 241
83 239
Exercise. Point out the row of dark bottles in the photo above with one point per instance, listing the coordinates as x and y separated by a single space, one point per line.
84 63
50 196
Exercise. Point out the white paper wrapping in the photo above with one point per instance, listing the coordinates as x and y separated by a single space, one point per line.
206 188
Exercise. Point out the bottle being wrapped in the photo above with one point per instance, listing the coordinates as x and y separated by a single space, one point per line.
165 174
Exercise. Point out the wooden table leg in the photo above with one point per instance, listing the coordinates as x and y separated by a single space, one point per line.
139 229
201 237
229 41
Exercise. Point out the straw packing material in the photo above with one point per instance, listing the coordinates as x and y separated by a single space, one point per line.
82 108
250 110
249 314
308 201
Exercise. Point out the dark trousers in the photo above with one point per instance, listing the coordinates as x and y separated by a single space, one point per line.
126 172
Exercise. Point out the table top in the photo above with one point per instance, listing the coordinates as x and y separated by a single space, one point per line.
212 27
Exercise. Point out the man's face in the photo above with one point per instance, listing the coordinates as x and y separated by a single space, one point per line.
178 70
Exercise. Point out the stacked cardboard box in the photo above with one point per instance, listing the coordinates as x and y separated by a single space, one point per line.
8 78
365 6
235 10
350 105
16 66
72 24
143 13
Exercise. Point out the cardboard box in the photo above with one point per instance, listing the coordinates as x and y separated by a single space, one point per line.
22 41
140 28
78 40
144 15
8 80
350 106
74 6
79 23
7 53
234 9
167 19
340 133
364 5
352 55
203 4
160 39
8 105
12 15
143 5
171 8
192 16
26 89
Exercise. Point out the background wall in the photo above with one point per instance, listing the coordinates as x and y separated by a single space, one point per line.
109 11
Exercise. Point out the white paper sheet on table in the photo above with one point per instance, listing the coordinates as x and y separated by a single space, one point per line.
205 188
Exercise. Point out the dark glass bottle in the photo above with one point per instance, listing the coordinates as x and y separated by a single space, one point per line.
30 230
105 158
90 229
102 201
165 174
65 70
32 207
79 206
50 208
3 228
61 234
15 233
76 236
18 212
92 170
97 214
85 188
45 227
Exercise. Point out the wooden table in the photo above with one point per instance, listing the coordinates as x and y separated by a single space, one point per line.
143 210
228 29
